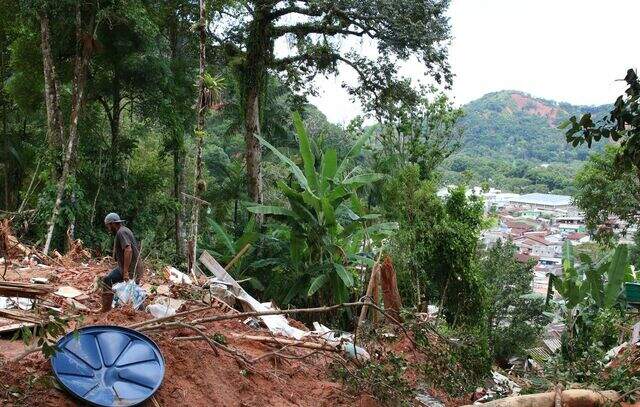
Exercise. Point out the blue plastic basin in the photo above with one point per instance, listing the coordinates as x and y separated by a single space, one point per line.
106 365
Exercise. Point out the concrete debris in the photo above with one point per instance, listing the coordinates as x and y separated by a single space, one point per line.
178 277
499 386
276 323
16 302
252 322
173 303
163 289
428 401
39 280
160 311
76 304
219 290
343 340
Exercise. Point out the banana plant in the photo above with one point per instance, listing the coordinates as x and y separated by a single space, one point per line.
589 290
323 218
601 283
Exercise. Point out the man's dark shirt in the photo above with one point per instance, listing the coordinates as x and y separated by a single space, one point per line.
124 238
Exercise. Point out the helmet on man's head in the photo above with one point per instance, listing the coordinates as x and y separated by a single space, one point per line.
112 218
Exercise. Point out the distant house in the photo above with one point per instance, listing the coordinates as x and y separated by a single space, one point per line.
524 257
538 246
570 224
578 238
571 228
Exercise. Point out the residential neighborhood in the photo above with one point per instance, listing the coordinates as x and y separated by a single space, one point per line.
538 225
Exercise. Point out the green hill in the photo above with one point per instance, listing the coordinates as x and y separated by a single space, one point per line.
513 142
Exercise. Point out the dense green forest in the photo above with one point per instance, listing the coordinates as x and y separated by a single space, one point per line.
187 120
512 141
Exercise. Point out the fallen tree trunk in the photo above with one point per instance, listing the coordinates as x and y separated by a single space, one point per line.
570 398
247 314
287 342
270 339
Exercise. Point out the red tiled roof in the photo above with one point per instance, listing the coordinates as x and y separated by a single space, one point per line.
576 236
523 257
535 239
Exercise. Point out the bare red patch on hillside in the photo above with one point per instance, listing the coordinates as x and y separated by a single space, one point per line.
536 107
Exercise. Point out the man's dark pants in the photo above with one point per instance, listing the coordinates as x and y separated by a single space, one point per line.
115 276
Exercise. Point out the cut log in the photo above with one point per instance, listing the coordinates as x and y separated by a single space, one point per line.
570 398
390 293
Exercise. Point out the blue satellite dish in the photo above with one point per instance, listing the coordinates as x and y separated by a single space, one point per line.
108 365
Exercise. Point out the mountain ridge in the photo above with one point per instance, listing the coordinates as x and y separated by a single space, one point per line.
512 141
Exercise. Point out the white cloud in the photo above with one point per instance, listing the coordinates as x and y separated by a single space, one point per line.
565 50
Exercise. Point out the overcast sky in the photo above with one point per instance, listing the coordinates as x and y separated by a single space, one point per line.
565 50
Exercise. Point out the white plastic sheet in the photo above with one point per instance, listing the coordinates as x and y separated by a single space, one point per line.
128 292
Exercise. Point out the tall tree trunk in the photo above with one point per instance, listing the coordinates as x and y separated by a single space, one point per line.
5 133
77 95
253 153
178 192
5 164
55 126
259 48
179 155
200 110
114 123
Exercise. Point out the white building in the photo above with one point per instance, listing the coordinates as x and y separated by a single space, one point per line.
543 201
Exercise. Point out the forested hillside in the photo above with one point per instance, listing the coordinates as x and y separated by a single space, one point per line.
512 140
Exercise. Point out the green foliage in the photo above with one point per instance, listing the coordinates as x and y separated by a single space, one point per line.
324 222
383 378
592 299
604 189
46 335
600 283
457 360
589 366
435 247
515 317
620 125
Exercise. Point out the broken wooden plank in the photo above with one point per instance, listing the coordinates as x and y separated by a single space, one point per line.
275 323
27 290
370 288
20 315
14 327
237 256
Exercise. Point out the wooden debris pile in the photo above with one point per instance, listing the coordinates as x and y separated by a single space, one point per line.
24 290
10 247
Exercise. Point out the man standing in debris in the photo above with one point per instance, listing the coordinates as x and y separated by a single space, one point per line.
127 254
